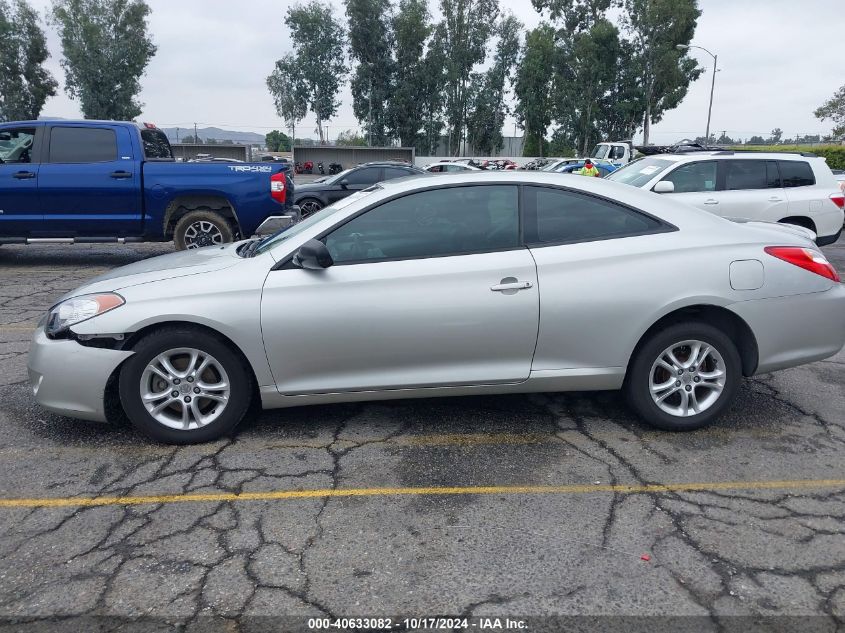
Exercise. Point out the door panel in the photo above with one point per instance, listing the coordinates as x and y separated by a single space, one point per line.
752 191
90 184
19 207
395 324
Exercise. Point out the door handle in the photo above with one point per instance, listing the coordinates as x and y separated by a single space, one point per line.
23 175
774 199
514 285
121 174
711 201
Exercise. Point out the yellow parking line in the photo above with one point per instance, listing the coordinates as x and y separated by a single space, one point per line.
388 492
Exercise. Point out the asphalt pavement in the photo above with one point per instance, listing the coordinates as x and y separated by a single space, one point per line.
523 507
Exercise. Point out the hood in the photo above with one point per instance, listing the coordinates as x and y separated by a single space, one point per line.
179 264
311 186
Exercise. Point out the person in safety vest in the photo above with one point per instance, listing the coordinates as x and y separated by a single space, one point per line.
588 169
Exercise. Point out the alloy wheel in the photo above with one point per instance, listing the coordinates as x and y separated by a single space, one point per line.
309 207
185 388
687 378
203 233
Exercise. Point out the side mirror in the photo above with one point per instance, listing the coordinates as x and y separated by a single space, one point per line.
664 186
313 255
344 183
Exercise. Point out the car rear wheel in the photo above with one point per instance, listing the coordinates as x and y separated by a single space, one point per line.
184 386
684 377
196 229
309 206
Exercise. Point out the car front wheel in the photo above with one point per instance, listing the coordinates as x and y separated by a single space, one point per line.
184 386
684 377
309 206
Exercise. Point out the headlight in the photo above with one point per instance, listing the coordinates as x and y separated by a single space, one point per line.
79 309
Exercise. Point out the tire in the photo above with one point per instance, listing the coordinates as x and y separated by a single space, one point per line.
163 418
711 393
202 228
309 206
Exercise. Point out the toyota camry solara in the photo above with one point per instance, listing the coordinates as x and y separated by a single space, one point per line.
442 286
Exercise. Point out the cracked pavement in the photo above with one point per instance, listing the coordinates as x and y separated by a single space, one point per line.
714 554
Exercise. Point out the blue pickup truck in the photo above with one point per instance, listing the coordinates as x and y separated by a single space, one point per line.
108 181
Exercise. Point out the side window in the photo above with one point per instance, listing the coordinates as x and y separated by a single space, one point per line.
364 176
751 174
436 169
16 145
554 216
693 177
156 145
82 145
796 173
439 222
395 172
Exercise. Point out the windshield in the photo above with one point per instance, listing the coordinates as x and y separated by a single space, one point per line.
641 171
600 151
277 238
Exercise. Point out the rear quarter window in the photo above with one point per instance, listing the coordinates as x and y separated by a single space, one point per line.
796 173
156 145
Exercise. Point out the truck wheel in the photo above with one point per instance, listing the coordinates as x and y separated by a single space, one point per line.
196 229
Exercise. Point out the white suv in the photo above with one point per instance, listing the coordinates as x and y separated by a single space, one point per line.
762 186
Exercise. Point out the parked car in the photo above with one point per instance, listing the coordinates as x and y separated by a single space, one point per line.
314 196
442 286
795 188
605 169
451 167
107 181
560 163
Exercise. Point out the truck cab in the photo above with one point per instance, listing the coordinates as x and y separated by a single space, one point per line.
614 153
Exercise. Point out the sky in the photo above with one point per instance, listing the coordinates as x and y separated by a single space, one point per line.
778 61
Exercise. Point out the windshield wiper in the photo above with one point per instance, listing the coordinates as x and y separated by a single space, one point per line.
247 249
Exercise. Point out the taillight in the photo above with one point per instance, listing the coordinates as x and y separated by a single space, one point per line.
806 258
277 187
838 199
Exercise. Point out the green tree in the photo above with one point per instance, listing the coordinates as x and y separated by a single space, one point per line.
665 73
756 140
533 88
25 84
350 138
834 109
319 38
467 27
432 93
777 135
488 110
290 94
407 106
371 46
189 139
211 141
585 72
277 141
106 49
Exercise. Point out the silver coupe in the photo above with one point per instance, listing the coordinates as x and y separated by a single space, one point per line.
452 285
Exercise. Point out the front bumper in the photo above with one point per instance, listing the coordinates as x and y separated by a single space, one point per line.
69 378
797 329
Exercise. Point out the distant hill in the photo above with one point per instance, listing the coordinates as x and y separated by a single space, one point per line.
215 133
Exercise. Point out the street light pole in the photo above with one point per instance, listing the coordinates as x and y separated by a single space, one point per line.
683 47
